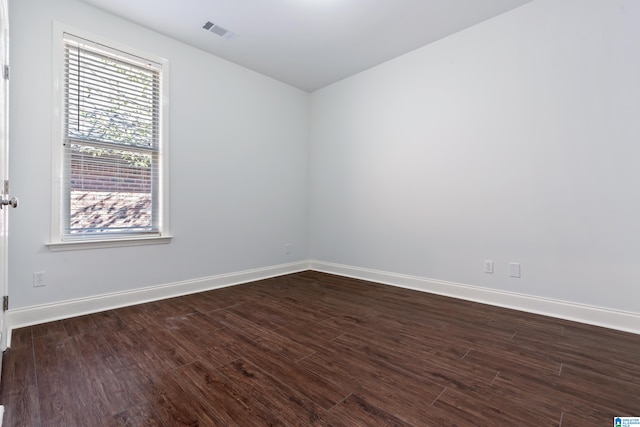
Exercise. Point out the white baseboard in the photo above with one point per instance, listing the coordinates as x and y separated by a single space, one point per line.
599 316
34 315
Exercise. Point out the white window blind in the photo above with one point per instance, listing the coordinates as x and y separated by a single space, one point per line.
111 143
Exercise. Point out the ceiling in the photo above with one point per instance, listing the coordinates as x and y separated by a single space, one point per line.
308 44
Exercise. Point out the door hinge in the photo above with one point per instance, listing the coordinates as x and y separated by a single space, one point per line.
5 72
5 303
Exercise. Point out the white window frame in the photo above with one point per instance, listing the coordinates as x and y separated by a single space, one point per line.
57 242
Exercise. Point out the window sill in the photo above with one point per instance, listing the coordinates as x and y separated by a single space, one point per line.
111 243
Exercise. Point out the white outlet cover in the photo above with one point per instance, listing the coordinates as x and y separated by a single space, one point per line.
38 279
514 268
488 266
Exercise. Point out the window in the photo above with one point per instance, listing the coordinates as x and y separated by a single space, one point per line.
112 154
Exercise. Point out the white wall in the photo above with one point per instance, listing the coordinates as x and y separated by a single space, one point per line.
238 166
517 140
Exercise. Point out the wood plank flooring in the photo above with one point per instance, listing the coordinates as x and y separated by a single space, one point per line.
312 349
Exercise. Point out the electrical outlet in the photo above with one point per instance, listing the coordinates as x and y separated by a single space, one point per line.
514 269
38 279
488 266
287 248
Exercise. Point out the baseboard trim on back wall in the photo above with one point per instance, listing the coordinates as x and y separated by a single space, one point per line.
593 315
34 315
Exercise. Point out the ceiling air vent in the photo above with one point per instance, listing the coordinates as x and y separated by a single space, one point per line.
217 29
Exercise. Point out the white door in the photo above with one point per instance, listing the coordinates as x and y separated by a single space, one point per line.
4 175
5 200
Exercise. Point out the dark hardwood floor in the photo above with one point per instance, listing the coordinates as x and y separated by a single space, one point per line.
315 349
